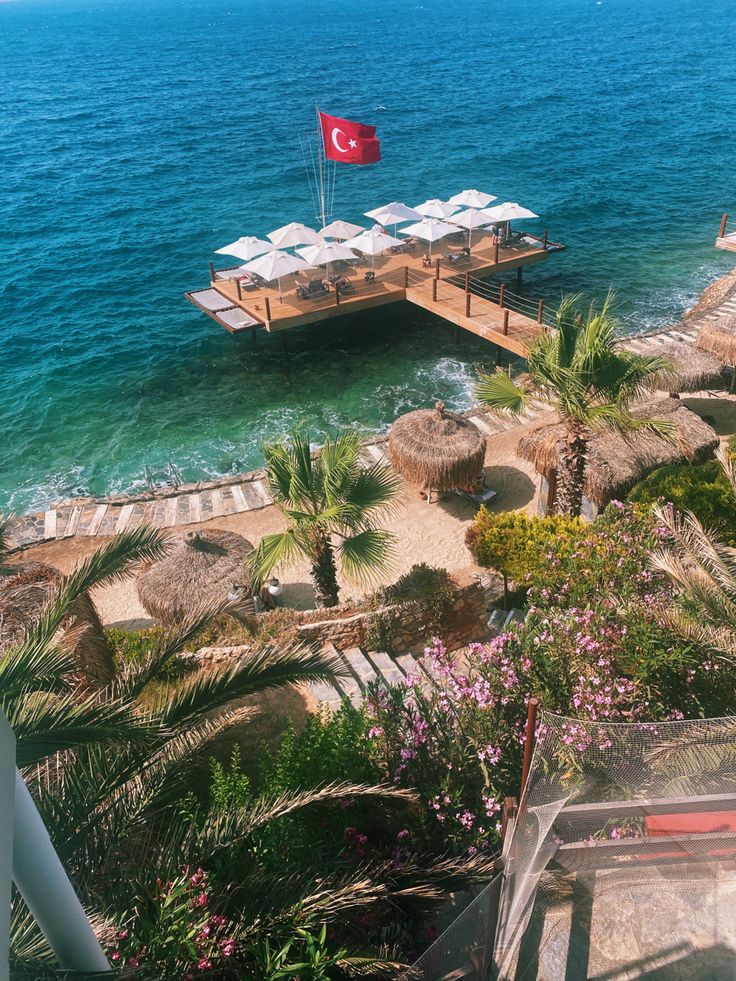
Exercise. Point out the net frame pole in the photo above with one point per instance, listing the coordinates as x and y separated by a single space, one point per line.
530 739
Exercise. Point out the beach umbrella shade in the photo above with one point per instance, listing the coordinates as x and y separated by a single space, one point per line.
372 242
434 208
325 253
340 230
393 213
470 219
201 569
507 211
245 248
26 589
294 234
472 199
718 337
274 265
430 229
437 449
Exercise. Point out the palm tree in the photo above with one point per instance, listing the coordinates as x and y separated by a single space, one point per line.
703 572
581 372
330 502
109 773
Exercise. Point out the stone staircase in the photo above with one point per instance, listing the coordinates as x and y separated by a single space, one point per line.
363 667
502 620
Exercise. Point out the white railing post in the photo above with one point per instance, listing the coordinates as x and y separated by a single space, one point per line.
39 875
7 806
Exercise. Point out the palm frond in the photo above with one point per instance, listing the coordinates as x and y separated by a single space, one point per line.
501 394
365 555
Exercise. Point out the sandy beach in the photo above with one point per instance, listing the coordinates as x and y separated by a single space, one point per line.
432 533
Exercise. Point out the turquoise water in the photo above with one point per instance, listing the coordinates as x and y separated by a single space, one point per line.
137 136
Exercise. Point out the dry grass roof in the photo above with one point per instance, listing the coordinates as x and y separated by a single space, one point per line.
437 449
25 591
615 462
718 337
201 569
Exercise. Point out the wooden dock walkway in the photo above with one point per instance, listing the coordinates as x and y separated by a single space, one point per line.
480 315
244 308
726 238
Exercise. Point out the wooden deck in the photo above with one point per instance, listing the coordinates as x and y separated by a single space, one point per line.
501 326
726 238
239 310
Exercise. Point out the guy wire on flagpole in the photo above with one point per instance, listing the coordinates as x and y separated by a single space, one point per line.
321 167
312 187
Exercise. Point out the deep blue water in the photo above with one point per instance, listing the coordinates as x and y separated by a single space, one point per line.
138 135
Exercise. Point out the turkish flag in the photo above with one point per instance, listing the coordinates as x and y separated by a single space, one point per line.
349 142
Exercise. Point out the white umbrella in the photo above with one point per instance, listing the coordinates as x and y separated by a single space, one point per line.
340 229
393 214
472 199
246 247
430 229
434 208
470 219
507 211
325 253
372 242
274 265
294 234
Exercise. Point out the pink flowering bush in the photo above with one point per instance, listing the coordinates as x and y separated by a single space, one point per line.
174 933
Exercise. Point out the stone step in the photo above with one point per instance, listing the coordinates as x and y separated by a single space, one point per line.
407 665
326 694
390 673
361 668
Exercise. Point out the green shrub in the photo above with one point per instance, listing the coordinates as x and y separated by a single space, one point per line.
513 544
704 490
433 588
132 647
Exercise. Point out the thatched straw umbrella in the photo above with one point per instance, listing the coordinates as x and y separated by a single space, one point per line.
688 369
616 462
201 569
25 590
436 449
719 338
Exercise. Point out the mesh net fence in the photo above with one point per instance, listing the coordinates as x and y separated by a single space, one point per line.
622 861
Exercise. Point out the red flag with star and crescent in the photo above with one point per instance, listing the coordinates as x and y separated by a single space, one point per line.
349 142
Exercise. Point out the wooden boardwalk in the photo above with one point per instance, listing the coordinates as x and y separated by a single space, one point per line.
480 316
239 309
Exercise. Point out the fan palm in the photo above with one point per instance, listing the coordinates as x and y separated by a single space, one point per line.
109 772
703 572
581 372
330 502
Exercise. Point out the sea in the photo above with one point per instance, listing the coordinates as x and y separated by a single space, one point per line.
137 136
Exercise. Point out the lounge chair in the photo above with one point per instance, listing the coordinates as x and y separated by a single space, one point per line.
369 276
483 497
314 290
342 283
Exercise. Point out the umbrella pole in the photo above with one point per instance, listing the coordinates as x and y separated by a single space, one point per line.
281 299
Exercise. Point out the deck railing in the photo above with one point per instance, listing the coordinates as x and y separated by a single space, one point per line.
727 227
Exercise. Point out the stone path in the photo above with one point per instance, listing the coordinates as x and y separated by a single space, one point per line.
188 504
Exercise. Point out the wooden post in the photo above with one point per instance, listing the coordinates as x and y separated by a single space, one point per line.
507 814
495 252
406 277
212 269
467 282
268 310
437 269
239 288
540 313
337 295
502 295
434 290
722 229
505 322
467 304
531 729
544 241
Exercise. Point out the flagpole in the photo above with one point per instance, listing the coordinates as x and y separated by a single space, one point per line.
321 168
